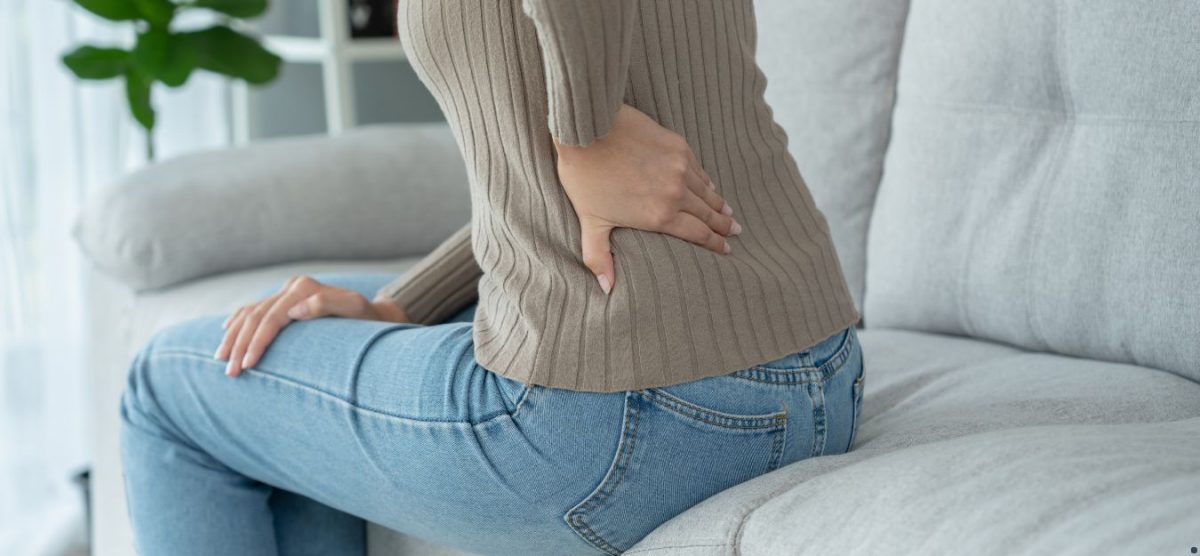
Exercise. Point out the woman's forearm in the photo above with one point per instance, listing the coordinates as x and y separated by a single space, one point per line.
585 53
440 285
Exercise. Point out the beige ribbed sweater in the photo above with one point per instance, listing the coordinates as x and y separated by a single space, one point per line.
509 74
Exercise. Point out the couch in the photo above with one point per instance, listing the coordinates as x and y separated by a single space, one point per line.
1014 191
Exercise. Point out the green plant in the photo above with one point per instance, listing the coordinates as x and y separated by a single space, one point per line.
168 56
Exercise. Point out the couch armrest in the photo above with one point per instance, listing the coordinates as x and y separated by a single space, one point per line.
376 192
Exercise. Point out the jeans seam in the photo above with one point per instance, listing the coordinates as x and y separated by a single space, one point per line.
575 516
777 447
802 375
330 395
520 401
704 415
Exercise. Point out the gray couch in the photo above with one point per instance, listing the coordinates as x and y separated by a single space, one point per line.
1014 189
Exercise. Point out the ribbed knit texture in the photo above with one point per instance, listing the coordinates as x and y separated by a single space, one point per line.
508 74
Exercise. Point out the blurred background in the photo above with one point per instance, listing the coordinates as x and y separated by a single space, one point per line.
73 120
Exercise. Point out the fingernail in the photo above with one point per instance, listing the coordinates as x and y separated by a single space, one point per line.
604 283
229 369
711 185
735 229
246 361
727 210
217 354
299 311
727 249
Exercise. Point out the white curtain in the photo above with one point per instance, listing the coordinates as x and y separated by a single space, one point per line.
61 141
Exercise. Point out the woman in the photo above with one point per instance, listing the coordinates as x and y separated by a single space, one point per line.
645 310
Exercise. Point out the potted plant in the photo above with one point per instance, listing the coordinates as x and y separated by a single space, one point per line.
169 56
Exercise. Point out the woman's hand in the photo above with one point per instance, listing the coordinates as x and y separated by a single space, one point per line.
250 329
643 176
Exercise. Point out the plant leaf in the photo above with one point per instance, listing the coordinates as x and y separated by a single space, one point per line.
152 50
137 89
222 50
237 8
115 10
91 62
164 56
157 12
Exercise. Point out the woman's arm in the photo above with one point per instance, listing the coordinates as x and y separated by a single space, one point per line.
641 176
585 55
440 285
618 167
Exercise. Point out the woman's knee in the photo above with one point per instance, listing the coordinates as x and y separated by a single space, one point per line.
154 366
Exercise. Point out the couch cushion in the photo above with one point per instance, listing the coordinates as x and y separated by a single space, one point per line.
1076 489
934 399
372 193
834 98
1042 184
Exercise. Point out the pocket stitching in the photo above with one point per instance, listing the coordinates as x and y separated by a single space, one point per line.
717 418
774 423
619 468
777 447
804 374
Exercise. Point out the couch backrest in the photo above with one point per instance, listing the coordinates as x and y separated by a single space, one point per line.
1042 182
831 77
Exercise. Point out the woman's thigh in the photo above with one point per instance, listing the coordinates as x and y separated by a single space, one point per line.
391 422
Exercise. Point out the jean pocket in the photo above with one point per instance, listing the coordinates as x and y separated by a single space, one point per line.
672 454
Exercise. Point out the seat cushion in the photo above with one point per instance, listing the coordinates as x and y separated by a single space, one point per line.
1042 184
955 433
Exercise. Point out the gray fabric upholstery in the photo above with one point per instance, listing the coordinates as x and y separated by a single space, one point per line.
1042 184
1116 489
831 78
989 409
373 193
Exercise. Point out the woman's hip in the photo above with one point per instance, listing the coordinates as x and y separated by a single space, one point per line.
641 457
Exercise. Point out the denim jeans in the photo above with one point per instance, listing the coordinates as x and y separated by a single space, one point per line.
347 420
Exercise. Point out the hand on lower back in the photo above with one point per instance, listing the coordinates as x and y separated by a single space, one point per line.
642 176
253 327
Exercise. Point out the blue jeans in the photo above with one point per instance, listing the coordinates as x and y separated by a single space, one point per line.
345 420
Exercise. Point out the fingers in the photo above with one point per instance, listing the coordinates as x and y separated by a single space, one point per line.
597 253
243 326
249 325
273 320
260 324
232 325
717 222
329 302
711 208
689 228
702 185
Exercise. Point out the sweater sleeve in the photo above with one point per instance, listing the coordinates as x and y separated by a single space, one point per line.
441 284
585 55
